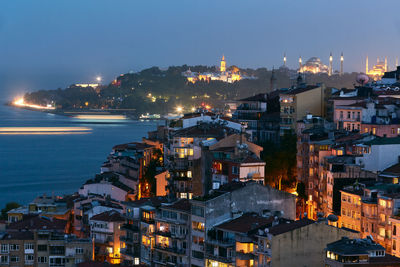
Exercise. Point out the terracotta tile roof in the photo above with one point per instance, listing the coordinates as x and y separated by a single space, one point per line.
18 235
394 170
246 223
288 227
39 223
108 216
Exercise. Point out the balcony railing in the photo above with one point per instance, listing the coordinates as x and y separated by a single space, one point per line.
171 249
221 242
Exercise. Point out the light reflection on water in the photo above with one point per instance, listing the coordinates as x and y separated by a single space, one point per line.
46 161
44 130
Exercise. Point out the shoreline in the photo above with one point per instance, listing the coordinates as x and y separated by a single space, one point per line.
129 113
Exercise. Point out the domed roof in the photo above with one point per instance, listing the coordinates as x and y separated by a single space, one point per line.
314 60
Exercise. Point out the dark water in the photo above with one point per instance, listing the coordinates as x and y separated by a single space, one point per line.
35 164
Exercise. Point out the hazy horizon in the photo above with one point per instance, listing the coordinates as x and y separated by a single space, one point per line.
47 44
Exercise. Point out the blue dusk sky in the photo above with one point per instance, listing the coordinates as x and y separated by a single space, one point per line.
47 44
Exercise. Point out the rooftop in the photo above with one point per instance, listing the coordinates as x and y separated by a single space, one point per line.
181 205
39 223
300 90
246 223
346 246
288 227
108 216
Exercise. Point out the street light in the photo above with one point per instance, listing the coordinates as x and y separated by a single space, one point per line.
179 109
98 79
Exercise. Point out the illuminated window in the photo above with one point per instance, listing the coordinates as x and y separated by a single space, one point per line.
382 232
366 130
382 203
340 152
374 130
189 174
137 261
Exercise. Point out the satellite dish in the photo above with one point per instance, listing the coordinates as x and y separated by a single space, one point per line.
362 79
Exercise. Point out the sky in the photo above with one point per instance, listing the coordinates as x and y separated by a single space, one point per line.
47 44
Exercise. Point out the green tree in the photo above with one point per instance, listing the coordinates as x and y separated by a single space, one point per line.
9 206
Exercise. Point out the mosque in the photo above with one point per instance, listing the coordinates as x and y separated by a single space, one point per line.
223 75
378 70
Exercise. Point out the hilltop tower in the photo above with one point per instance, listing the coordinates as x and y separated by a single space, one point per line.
341 64
223 64
397 62
366 66
300 64
284 59
330 65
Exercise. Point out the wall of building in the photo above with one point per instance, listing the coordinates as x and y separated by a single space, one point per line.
380 158
305 246
310 101
103 189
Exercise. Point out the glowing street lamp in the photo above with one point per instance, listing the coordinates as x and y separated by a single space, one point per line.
179 109
98 79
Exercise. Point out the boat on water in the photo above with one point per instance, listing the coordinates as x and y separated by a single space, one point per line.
148 116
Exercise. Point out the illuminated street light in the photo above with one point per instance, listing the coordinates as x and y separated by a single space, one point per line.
179 109
98 79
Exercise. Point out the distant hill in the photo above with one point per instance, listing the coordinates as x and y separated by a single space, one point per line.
160 91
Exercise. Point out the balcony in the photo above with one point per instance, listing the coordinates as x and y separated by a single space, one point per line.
222 242
171 249
171 235
130 227
245 256
130 253
223 259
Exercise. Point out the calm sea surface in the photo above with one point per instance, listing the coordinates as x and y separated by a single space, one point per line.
33 164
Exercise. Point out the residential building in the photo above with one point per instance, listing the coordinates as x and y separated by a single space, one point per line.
172 234
358 252
105 229
43 248
297 102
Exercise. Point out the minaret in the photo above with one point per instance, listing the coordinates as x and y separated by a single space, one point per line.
386 69
300 64
284 59
341 64
330 65
273 80
397 62
223 64
366 66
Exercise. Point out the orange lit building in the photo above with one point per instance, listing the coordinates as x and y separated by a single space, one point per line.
224 75
378 70
105 229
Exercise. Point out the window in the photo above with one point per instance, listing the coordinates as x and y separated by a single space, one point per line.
235 170
374 131
57 261
348 114
137 261
14 259
341 114
382 203
28 257
29 246
189 174
4 248
79 250
382 232
4 259
42 259
394 229
394 245
14 247
42 247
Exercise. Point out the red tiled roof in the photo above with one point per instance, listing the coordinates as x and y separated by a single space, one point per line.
246 223
38 223
108 216
287 227
18 235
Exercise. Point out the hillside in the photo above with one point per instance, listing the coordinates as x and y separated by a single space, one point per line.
160 91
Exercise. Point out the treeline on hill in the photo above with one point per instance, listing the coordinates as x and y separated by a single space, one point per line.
160 91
